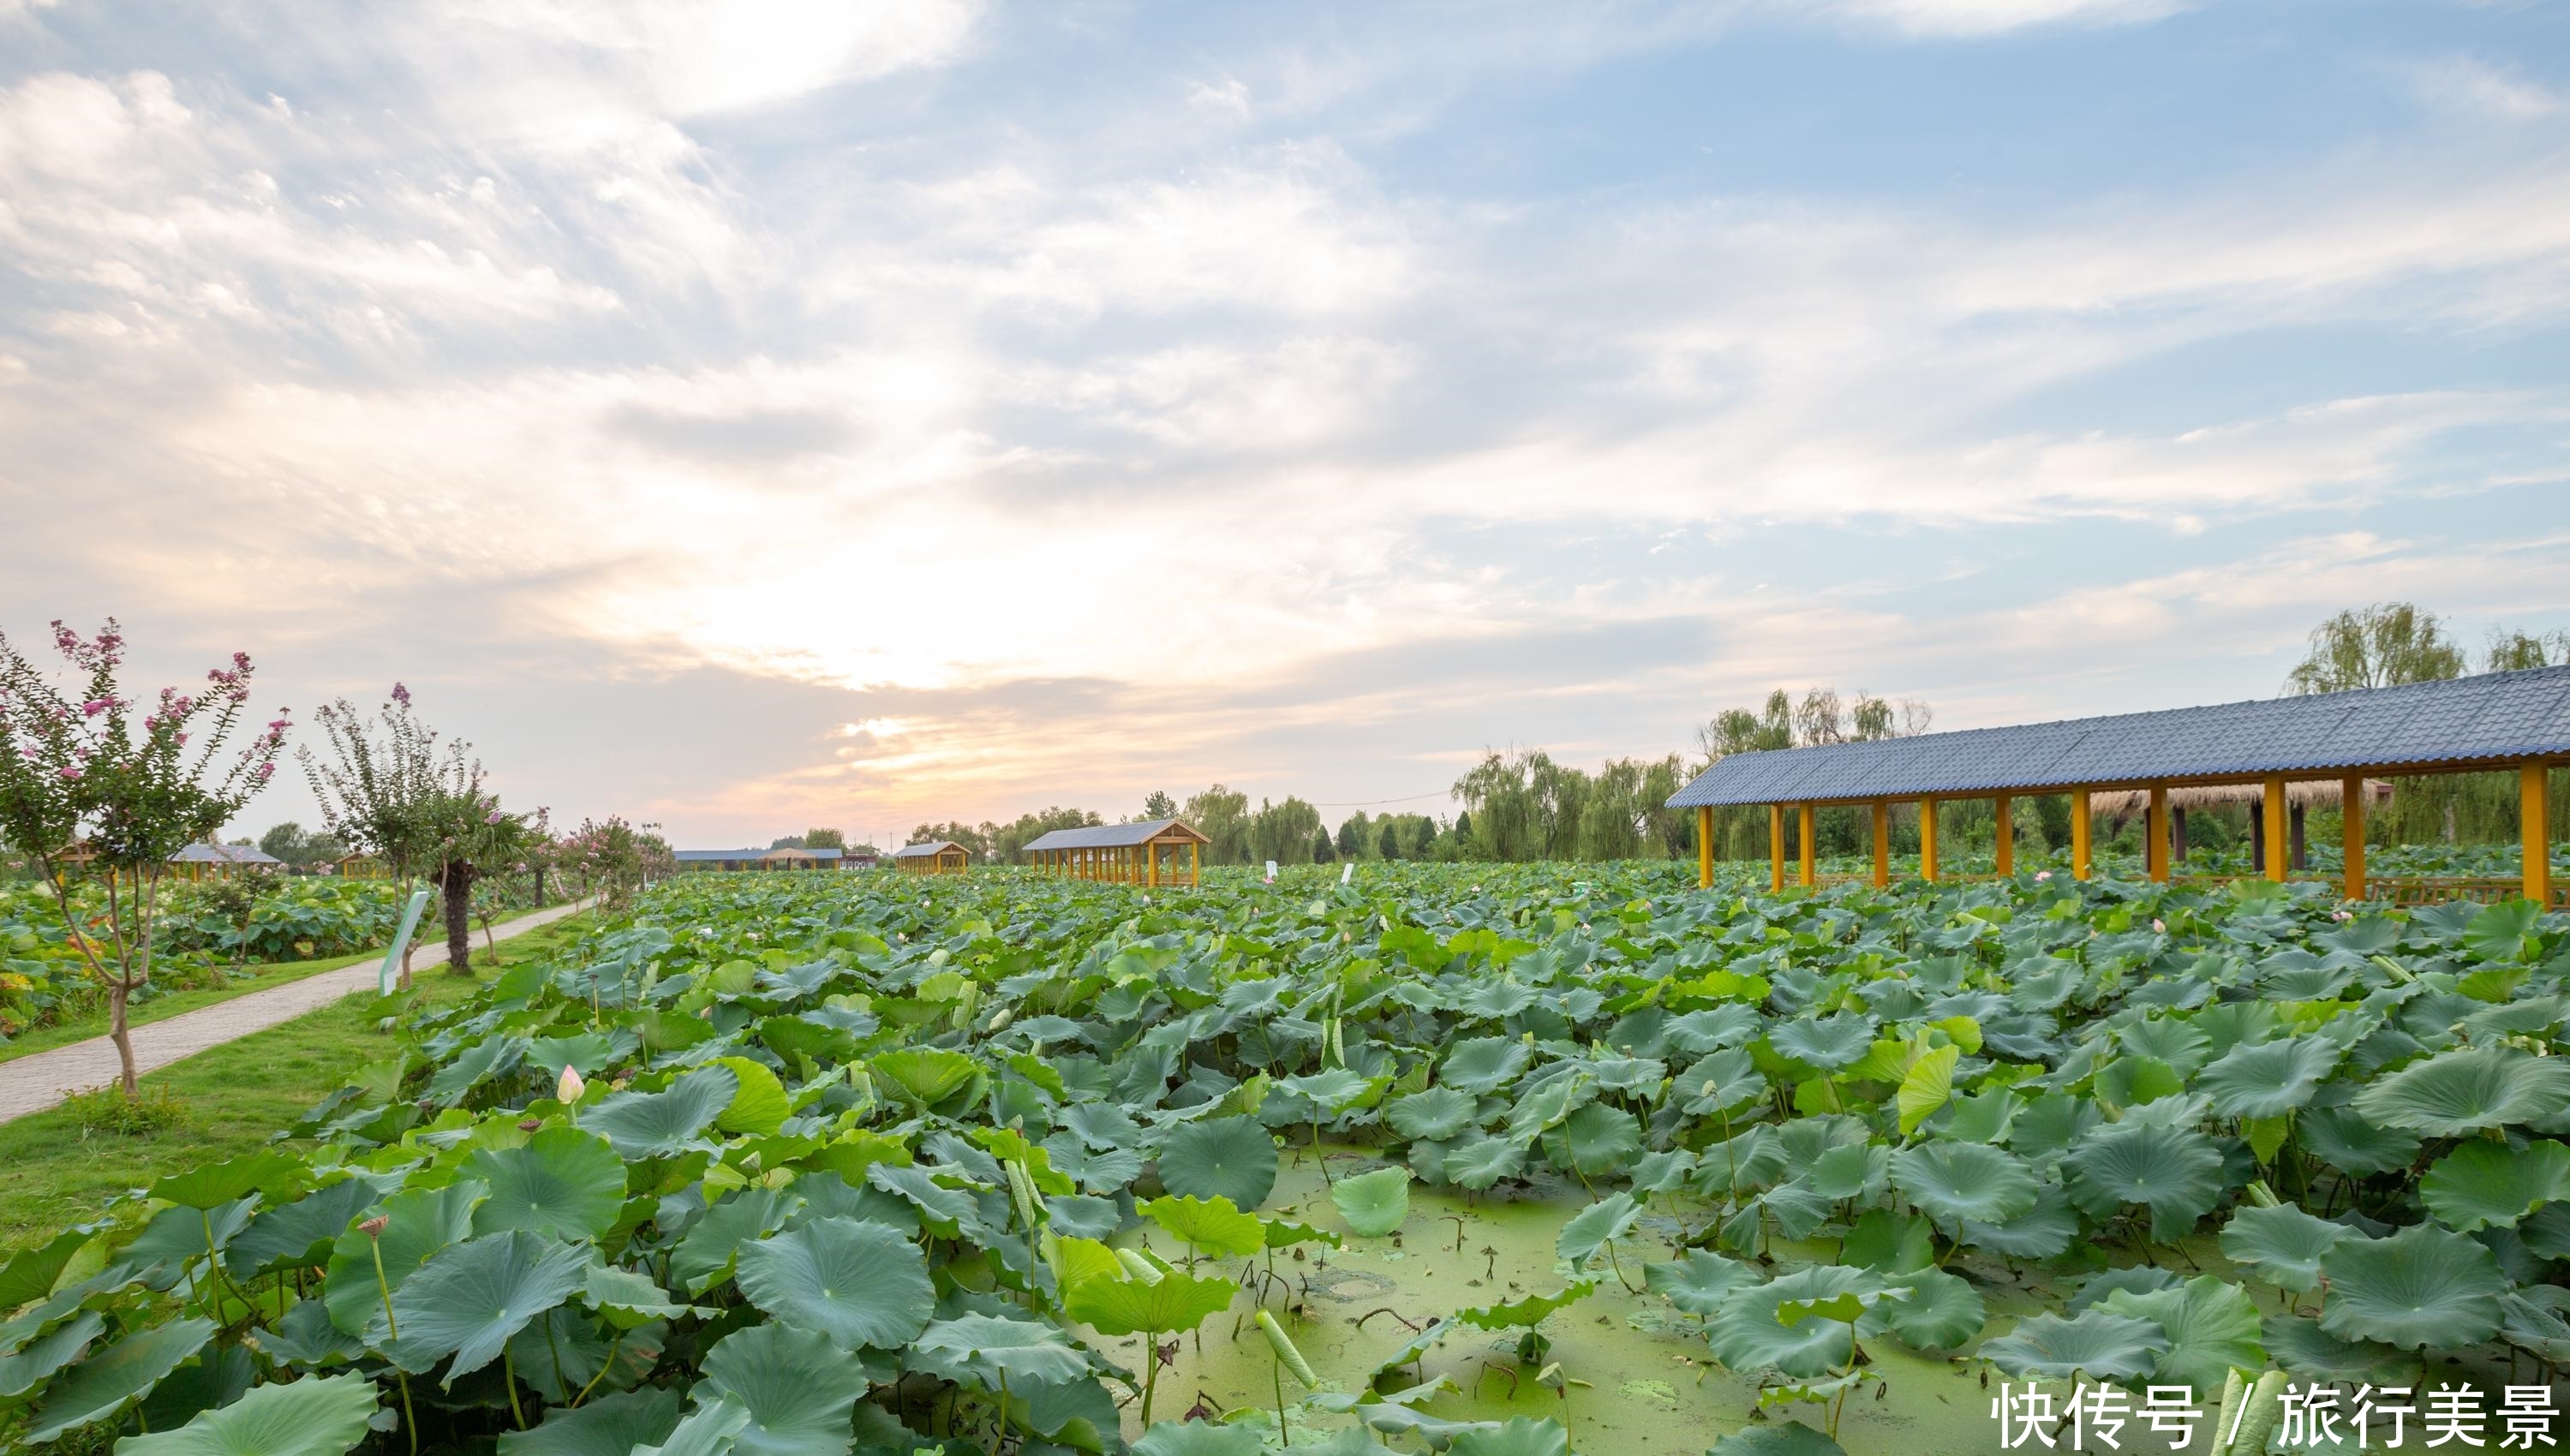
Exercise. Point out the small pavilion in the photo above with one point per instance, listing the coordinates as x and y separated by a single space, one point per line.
364 867
938 857
198 862
2517 722
1128 854
784 857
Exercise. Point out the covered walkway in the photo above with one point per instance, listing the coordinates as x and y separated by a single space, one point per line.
2514 722
1128 854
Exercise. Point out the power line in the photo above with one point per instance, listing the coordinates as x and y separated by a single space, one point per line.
1371 803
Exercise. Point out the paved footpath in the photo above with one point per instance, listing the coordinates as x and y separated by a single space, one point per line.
34 1083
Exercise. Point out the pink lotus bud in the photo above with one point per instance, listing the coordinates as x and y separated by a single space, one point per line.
2159 925
569 1087
2042 875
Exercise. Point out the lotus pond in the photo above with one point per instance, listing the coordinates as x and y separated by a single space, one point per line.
1498 1161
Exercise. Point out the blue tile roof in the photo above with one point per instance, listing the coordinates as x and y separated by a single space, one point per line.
1108 835
2496 715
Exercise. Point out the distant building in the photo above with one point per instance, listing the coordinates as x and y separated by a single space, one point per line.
938 857
217 862
784 859
364 867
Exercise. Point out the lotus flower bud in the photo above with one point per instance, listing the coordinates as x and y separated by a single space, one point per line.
567 1090
375 1228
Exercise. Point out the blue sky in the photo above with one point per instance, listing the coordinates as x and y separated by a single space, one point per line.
776 413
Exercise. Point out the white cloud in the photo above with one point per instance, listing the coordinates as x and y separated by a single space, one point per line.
1993 17
2465 83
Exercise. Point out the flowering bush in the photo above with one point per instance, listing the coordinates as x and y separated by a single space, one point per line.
83 782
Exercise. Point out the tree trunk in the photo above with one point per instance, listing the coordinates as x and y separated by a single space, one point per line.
457 885
120 1032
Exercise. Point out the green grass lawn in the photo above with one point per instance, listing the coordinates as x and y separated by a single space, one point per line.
56 1172
178 1004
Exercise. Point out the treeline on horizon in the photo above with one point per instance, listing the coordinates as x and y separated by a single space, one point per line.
1526 805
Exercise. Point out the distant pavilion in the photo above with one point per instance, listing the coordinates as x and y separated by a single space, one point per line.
1128 854
2497 721
937 856
786 856
198 862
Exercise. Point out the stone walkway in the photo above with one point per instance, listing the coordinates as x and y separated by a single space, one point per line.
34 1083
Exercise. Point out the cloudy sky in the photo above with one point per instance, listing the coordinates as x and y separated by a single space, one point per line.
777 412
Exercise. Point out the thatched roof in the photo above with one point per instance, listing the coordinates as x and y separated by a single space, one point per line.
2300 793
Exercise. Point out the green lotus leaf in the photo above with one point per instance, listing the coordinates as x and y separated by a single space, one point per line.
417 1223
1207 1226
664 1124
180 1235
2172 1040
2176 1171
1856 1171
861 1283
1750 1335
799 1389
715 1428
1953 1182
566 1184
2460 1093
1334 1090
32 1272
629 1300
1778 1438
1596 1140
469 1297
475 1065
759 1106
1221 1156
1721 1084
310 1417
299 1234
36 1361
1942 1313
1197 1438
1826 1042
924 1075
1102 1125
2052 1125
2136 1081
1517 1437
2283 1243
1889 1243
2484 1184
609 1425
2041 1231
2344 1140
1434 1115
1525 1312
1698 1282
2501 932
1549 1104
2298 1344
2422 1286
2139 1279
982 1349
101 1384
270 1175
2212 1329
1285 1234
705 1256
2097 1345
949 1213
1483 1064
1179 1301
1373 1204
1483 1161
1594 1227
1925 1086
2271 1078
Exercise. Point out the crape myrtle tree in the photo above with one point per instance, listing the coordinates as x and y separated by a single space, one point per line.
80 772
470 838
613 858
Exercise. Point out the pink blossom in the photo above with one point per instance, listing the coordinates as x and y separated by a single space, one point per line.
96 706
71 772
2159 925
494 816
2042 875
264 772
401 695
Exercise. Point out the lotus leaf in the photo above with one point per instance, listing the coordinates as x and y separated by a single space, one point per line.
2097 1345
1517 1437
101 1384
2283 1243
312 1417
2484 1184
797 1388
861 1283
2463 1092
565 1184
2212 1329
611 1426
2422 1286
1953 1182
1175 1301
1209 1226
1750 1334
1484 1065
983 1350
658 1124
469 1297
1228 1157
1373 1204
2176 1171
2271 1078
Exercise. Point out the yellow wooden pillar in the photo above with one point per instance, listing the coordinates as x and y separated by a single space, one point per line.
1811 868
2279 857
1195 861
1928 840
2155 833
2350 813
2079 828
1704 847
1881 845
2533 780
1151 865
2006 843
1775 849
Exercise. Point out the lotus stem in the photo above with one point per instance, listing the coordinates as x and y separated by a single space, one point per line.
509 1374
